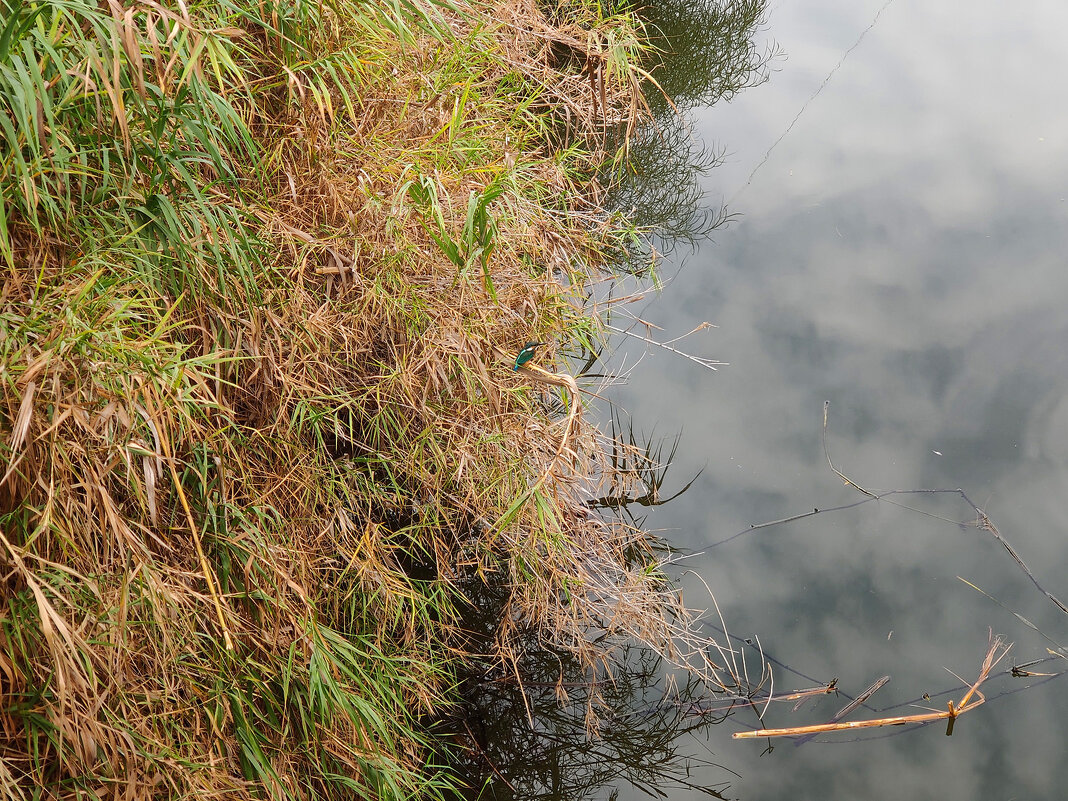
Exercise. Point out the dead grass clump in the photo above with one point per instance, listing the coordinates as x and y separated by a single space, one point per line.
266 273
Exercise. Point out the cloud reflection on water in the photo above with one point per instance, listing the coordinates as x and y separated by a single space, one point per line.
902 254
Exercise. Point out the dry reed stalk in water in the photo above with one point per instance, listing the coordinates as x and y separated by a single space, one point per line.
994 654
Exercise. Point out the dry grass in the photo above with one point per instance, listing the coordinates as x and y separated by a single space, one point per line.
265 277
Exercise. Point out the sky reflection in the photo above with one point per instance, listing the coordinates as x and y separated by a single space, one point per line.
901 254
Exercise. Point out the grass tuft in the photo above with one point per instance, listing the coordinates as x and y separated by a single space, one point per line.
266 270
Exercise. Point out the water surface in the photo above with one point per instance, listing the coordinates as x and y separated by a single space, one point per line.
900 252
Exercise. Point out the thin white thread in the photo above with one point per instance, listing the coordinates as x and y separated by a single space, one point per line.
814 95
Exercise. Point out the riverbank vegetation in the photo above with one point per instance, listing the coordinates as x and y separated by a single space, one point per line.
266 267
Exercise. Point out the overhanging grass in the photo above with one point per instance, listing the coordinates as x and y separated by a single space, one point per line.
266 267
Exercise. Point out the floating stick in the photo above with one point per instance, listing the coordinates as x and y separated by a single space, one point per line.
994 654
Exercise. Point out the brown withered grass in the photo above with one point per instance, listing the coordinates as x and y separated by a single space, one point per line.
266 273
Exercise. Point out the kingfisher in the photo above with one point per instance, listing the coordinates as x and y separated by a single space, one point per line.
526 354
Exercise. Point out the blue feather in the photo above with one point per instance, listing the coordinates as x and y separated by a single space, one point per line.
526 354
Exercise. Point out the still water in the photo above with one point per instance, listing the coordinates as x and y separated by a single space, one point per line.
900 251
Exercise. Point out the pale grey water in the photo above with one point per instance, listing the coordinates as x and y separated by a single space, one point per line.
901 253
